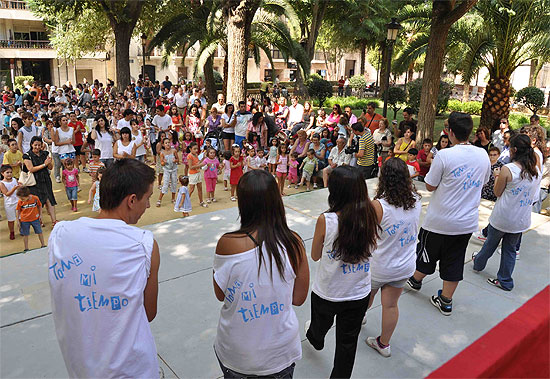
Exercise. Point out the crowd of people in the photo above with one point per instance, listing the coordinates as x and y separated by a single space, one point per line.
260 271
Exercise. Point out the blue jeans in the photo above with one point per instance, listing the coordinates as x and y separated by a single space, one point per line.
507 258
239 140
107 162
537 207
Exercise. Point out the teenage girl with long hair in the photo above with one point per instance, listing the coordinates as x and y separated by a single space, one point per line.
345 237
398 208
260 272
515 186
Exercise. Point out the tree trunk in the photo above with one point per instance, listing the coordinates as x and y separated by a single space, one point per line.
225 71
496 102
466 92
383 66
444 15
238 17
123 35
533 73
363 54
210 83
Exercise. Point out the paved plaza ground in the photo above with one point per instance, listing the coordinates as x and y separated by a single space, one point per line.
188 311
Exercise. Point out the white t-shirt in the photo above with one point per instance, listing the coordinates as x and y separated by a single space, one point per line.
512 212
122 123
98 270
104 142
295 113
459 173
27 136
164 122
137 140
335 280
258 332
228 121
181 100
242 123
219 108
395 256
127 149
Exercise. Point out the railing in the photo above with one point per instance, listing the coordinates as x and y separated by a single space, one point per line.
5 4
24 44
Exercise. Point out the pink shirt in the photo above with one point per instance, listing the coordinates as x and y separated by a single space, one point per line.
293 167
70 177
211 168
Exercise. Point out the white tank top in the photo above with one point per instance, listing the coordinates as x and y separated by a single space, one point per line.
258 332
27 136
65 136
337 280
137 140
104 143
10 201
512 211
98 269
395 257
122 148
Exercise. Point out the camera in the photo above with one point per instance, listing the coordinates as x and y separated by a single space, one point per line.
353 148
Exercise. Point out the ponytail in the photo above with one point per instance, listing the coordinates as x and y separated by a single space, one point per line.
524 154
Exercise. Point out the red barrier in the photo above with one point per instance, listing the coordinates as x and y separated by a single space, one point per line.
518 347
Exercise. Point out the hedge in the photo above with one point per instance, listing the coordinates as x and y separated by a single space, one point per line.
352 101
470 107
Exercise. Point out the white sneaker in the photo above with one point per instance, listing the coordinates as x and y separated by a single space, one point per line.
57 179
517 255
315 186
479 237
364 322
306 326
385 352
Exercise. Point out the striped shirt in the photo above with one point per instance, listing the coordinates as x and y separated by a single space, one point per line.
366 143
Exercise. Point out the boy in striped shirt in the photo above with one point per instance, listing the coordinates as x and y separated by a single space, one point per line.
95 164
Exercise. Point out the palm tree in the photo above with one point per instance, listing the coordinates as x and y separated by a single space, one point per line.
512 33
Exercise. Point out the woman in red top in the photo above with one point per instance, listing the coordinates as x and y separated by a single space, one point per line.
236 165
78 127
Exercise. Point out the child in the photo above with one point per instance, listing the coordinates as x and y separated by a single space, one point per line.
94 191
253 141
251 160
308 167
282 167
412 163
211 174
394 260
422 158
95 164
187 139
29 210
169 162
4 146
195 175
262 162
272 156
293 170
183 202
344 239
236 165
70 179
158 148
8 187
13 158
226 168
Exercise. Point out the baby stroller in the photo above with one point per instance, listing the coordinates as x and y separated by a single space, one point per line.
215 139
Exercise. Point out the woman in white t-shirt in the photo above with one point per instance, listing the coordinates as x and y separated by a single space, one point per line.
516 187
398 208
382 138
260 272
228 122
125 147
344 238
104 139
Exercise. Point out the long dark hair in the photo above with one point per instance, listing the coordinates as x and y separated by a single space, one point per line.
19 123
395 185
98 128
262 211
438 145
357 222
522 152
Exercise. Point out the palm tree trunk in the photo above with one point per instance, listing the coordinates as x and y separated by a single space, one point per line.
363 54
225 71
209 81
496 102
466 92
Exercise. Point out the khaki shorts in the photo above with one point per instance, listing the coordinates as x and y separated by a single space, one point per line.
195 178
375 285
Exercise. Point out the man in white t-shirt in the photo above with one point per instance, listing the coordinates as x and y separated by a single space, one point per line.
295 112
181 99
456 178
124 122
161 121
243 117
103 275
220 105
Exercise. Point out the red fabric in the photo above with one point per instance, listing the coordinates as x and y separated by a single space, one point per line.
518 347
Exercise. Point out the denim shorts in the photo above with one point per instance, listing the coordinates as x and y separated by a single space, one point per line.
26 227
71 193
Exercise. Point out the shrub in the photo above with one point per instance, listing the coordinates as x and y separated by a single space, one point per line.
20 81
352 101
415 88
358 82
471 107
396 97
531 97
454 105
218 77
318 88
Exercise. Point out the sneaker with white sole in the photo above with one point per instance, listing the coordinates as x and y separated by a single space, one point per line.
306 326
479 237
383 351
517 255
446 308
473 261
414 284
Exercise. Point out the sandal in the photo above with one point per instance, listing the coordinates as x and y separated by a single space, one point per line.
158 203
203 204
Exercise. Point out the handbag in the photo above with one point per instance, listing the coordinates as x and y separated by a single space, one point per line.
27 179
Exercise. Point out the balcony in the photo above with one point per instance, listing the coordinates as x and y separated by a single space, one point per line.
24 44
6 4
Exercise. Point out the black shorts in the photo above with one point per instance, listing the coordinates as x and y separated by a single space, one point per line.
449 250
229 136
78 150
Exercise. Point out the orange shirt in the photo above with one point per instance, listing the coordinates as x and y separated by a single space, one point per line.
29 209
193 160
375 120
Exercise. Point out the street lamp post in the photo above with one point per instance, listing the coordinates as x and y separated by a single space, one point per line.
393 27
143 42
